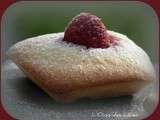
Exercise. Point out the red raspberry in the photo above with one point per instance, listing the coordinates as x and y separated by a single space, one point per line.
87 29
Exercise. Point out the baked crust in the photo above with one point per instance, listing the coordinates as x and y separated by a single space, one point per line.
68 72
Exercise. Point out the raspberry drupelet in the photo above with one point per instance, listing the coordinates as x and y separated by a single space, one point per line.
88 30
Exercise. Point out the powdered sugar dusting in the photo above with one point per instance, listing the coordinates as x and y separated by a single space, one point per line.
50 52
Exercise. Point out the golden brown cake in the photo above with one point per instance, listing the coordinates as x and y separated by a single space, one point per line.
67 71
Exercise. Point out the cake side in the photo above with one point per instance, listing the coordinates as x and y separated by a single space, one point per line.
62 68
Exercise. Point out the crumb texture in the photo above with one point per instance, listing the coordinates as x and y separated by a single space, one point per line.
61 67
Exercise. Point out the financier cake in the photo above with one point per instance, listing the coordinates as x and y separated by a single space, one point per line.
85 61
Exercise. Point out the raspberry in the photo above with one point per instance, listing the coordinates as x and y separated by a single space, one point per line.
88 30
